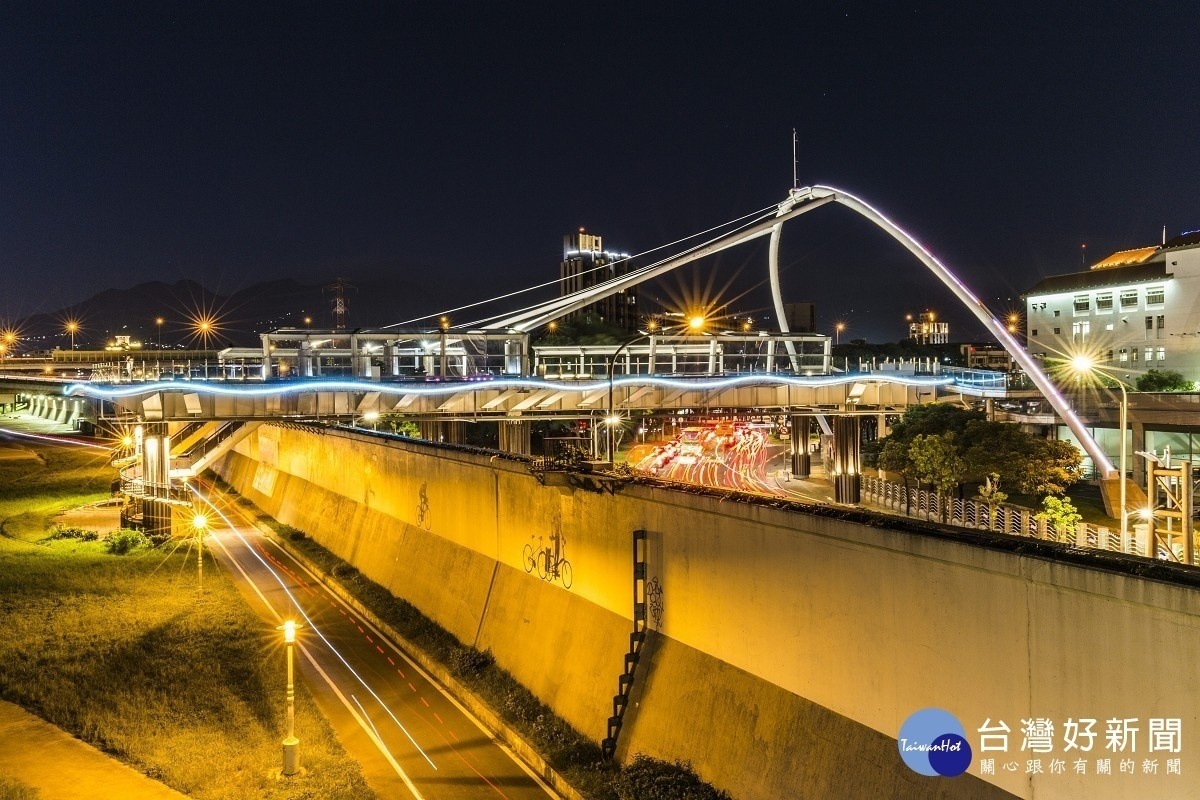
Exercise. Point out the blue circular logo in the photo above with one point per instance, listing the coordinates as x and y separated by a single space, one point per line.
933 742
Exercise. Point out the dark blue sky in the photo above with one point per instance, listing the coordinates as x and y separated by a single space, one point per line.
454 144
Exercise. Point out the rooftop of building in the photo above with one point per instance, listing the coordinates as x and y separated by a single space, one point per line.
1099 278
1122 258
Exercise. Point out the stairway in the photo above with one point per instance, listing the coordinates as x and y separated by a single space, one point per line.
637 640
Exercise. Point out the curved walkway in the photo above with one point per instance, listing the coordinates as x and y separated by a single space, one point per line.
62 767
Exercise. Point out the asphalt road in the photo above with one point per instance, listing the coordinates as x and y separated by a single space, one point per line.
411 739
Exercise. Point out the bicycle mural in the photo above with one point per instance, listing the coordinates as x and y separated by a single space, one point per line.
423 507
550 560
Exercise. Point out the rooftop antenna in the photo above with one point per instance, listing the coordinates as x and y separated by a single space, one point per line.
1083 255
795 182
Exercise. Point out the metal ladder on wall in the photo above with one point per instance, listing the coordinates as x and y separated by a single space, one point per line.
637 639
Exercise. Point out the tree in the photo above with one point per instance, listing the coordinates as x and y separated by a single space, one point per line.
1059 515
991 494
1029 463
1167 380
935 459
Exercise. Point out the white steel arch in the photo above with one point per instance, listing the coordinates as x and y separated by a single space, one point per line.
800 201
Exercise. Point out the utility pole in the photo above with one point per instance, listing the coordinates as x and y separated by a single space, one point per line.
338 290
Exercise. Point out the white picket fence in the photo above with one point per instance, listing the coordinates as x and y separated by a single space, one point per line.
1015 520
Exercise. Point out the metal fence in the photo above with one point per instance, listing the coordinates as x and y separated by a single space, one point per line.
1005 518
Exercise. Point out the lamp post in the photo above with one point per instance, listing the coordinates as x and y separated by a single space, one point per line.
72 326
291 745
837 332
611 420
1084 365
199 524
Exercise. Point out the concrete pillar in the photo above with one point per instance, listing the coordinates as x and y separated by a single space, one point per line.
1139 445
846 473
881 425
515 436
454 432
430 430
712 356
513 365
267 371
801 460
304 361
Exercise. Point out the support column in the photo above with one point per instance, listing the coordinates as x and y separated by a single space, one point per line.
847 477
801 460
1139 445
515 436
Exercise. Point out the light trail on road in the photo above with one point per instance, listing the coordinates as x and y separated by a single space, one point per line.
381 703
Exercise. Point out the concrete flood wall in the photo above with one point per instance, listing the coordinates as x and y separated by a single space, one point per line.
789 647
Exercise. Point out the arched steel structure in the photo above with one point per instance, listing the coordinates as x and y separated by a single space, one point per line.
801 201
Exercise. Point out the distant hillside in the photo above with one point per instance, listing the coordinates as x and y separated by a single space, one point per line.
240 317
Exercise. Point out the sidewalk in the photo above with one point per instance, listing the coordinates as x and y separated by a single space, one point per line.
62 767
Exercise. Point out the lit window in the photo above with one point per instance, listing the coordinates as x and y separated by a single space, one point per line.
1154 296
1080 331
1123 355
1104 302
1108 326
1129 299
1149 353
1162 354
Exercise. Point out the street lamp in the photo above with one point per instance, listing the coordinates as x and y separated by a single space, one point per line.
1085 365
72 326
291 745
837 332
199 524
159 321
611 419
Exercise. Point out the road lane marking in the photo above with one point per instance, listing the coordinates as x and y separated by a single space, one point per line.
315 629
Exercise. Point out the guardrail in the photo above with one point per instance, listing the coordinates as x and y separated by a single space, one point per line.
1006 518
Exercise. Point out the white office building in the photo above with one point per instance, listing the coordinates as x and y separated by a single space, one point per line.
1136 310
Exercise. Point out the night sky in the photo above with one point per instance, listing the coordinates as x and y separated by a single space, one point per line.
453 144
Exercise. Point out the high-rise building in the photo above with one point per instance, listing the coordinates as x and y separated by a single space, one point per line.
586 264
926 329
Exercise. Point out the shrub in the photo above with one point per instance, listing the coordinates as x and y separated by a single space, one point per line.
343 570
121 542
59 532
467 661
646 778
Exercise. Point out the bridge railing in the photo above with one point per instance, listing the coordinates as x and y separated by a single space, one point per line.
1006 518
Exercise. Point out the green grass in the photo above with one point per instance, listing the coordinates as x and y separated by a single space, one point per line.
122 652
13 789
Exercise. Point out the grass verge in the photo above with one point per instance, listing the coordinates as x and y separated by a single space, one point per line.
121 651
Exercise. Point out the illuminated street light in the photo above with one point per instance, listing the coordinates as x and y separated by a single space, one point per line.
159 322
291 745
1083 365
696 323
72 327
199 525
837 332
